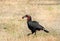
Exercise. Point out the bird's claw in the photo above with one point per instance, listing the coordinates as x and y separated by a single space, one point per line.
28 34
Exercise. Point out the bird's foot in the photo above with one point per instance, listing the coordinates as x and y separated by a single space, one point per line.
28 34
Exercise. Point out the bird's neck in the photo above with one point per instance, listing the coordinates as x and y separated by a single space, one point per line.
29 19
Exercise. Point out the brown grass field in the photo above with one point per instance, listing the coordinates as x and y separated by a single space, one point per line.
14 28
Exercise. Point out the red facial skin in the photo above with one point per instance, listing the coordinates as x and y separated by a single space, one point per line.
28 17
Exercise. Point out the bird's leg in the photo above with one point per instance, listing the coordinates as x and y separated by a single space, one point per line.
31 33
35 32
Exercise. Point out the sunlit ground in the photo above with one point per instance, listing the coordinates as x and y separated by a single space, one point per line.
14 28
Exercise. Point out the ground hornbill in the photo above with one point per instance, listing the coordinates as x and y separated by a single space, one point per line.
34 25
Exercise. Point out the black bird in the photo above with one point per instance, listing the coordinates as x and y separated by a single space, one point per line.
34 25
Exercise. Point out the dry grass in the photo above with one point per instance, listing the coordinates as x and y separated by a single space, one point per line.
14 28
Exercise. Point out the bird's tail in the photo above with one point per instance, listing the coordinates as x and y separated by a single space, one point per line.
46 31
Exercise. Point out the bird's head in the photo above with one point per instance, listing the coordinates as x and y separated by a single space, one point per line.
27 16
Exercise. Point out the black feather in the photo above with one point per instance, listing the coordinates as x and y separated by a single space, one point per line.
34 25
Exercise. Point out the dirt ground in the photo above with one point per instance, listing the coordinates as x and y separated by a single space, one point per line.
14 28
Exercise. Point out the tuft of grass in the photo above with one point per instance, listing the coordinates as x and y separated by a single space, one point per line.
50 8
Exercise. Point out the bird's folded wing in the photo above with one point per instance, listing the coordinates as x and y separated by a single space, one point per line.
35 24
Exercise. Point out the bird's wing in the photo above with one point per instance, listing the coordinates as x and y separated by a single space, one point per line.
35 24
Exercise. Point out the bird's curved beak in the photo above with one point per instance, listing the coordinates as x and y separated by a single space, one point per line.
23 17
